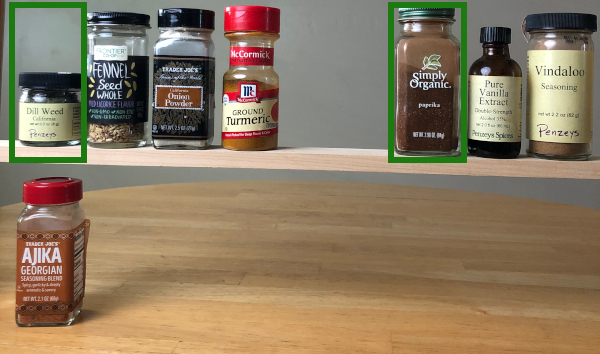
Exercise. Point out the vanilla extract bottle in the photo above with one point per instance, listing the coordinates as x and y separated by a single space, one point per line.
495 98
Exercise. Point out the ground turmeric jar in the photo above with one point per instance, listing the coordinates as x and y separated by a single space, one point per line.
251 86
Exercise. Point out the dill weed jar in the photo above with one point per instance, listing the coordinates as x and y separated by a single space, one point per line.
184 80
52 234
251 86
427 62
50 109
560 85
118 79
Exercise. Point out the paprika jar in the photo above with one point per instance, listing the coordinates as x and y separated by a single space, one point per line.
118 79
251 86
427 83
52 234
560 85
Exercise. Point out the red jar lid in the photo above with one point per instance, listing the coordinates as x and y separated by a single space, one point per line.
252 18
52 190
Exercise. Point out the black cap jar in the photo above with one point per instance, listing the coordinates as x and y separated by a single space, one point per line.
560 85
118 79
50 109
184 80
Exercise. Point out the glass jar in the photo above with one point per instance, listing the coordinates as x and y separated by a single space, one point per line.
251 85
184 80
50 109
118 79
560 84
427 83
495 98
52 235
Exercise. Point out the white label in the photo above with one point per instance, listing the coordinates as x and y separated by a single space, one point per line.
110 52
495 108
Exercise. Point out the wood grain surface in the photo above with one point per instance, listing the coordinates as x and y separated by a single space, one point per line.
316 159
323 267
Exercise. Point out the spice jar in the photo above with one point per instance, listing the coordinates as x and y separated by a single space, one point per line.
251 86
495 98
52 235
50 109
560 85
427 83
184 80
118 79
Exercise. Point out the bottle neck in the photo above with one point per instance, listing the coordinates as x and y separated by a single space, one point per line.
496 50
441 27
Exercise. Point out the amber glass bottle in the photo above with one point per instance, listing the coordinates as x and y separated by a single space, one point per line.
495 98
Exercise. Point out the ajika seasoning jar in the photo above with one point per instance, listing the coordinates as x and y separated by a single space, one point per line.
50 109
251 86
52 235
184 80
427 84
495 98
118 79
560 85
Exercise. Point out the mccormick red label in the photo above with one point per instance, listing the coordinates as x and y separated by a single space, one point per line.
250 112
247 56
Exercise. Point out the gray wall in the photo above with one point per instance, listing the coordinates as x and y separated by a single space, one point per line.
332 60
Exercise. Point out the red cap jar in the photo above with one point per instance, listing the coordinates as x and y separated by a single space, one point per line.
52 234
251 85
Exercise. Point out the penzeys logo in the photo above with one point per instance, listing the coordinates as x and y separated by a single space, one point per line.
430 80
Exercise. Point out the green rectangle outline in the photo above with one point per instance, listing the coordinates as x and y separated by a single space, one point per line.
13 113
463 82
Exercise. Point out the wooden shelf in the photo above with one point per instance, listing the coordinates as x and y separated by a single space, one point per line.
317 159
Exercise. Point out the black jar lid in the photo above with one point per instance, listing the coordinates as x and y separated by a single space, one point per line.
495 35
550 21
407 13
189 18
60 81
118 18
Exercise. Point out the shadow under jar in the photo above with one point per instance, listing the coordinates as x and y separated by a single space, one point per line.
427 84
118 79
50 109
560 85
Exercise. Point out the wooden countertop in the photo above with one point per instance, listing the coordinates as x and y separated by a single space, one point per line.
323 267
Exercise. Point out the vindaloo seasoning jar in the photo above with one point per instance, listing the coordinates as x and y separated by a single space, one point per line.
118 79
251 86
52 234
427 77
560 85
184 80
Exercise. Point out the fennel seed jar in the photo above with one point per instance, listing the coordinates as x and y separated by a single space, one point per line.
118 79
560 85
50 109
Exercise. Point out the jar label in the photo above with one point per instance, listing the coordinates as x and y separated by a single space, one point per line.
560 96
426 118
495 104
51 271
184 89
118 90
249 56
49 121
250 112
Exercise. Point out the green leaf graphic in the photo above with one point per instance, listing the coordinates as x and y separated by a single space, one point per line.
432 62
